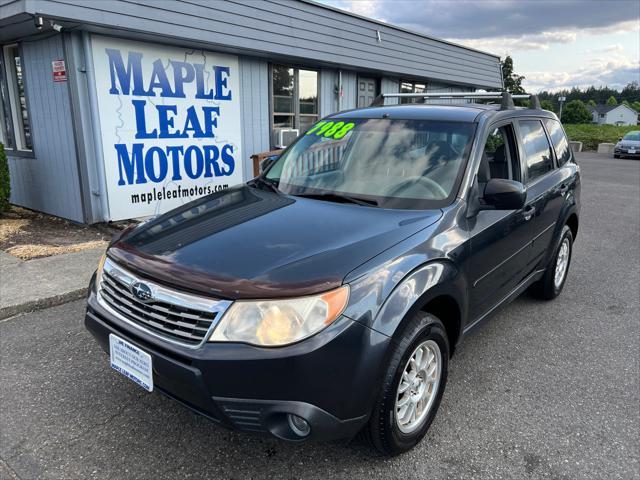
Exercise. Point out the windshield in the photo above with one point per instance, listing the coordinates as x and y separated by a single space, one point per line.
632 136
390 163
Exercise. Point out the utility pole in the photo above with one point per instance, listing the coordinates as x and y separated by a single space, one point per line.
561 100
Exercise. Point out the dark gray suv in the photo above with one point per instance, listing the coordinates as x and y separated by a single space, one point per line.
325 297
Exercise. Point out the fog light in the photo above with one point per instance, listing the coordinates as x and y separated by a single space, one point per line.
298 425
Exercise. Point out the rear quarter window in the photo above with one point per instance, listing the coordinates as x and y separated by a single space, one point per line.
537 150
559 140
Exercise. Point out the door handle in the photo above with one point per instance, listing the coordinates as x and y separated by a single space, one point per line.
528 212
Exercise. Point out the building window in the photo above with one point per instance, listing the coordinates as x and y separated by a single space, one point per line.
295 97
16 127
411 87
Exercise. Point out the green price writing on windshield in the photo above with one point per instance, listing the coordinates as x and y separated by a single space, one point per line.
329 129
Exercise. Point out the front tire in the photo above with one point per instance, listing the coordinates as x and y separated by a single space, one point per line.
552 283
412 387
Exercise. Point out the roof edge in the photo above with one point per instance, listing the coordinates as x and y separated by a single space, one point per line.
396 27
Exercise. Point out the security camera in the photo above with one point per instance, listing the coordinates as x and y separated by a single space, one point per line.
56 27
39 22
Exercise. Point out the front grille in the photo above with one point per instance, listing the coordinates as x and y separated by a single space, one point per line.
176 320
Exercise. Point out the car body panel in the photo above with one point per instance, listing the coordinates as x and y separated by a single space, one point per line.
251 243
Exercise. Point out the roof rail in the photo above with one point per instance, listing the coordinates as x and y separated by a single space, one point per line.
506 98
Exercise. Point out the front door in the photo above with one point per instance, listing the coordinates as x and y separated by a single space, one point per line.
367 91
500 240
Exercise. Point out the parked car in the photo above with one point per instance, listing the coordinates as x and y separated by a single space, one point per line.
325 298
628 146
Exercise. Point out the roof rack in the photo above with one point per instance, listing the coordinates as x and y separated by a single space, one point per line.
505 97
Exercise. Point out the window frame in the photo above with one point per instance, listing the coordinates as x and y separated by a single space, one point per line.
296 97
526 180
10 86
515 149
556 162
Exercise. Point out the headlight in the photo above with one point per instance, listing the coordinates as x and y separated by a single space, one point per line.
280 322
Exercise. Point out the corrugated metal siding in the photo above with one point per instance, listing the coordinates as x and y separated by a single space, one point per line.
328 97
444 88
254 98
286 28
390 85
349 90
329 100
49 182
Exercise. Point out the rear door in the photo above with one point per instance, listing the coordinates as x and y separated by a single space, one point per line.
546 186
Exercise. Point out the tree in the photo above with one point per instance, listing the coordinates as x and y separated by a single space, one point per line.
512 82
547 105
636 107
576 112
591 103
612 100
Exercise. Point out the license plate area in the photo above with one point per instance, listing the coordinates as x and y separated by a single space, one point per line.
130 361
632 150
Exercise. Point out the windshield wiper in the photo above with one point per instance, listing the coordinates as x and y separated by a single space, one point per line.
267 183
337 197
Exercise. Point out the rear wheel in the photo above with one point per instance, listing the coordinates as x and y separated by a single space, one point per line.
552 283
615 155
412 387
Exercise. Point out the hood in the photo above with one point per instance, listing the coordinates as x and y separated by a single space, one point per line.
251 243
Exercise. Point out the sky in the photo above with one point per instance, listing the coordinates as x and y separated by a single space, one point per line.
555 44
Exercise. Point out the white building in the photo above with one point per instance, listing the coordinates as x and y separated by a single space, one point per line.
614 115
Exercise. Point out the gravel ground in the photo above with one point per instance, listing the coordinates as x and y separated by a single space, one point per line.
543 390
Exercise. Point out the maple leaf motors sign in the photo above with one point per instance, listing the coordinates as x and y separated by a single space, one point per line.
170 123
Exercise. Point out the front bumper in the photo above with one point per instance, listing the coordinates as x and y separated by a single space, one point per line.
624 151
330 379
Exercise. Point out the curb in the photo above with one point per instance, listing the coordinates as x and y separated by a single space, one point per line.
42 303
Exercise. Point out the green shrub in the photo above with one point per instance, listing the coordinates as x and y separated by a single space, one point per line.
5 186
576 112
591 135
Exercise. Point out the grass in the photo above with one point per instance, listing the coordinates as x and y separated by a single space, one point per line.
591 135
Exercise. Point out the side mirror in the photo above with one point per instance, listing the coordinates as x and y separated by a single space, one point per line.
619 139
266 163
503 194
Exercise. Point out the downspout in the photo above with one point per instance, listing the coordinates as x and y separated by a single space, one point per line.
95 126
339 90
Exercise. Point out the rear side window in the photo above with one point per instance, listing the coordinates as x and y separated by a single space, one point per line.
536 147
559 140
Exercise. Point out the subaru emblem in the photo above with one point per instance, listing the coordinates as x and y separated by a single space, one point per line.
141 291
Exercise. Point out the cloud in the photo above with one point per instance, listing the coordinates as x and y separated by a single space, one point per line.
511 26
615 73
497 18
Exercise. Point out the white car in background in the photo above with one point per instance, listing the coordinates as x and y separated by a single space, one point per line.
628 146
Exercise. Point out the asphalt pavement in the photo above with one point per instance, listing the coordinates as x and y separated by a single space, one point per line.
543 390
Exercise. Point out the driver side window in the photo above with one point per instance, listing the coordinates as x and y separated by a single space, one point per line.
499 157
